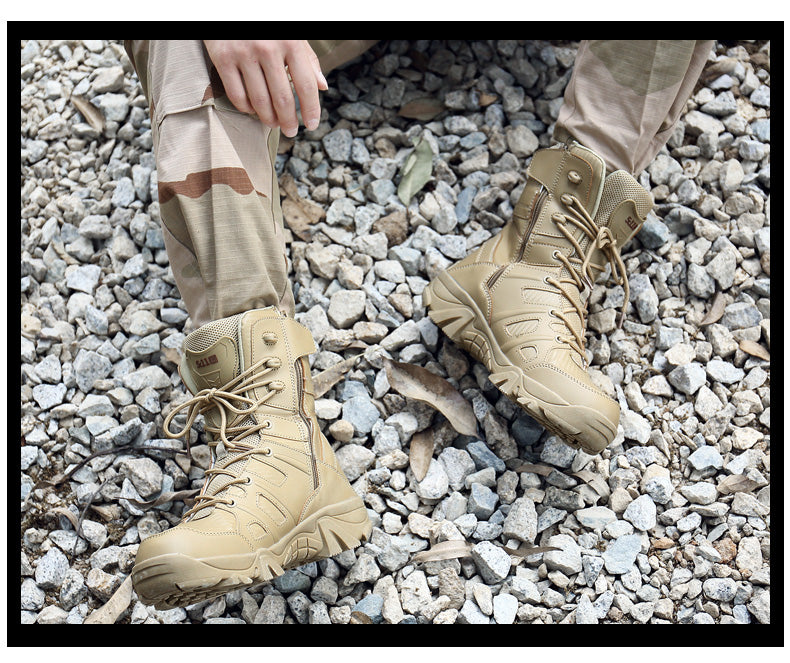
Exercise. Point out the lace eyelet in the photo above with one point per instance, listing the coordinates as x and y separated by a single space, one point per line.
557 217
248 481
555 254
546 280
552 313
270 338
277 385
232 503
557 339
574 177
267 424
267 451
566 199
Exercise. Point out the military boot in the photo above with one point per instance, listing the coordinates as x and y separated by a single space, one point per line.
274 496
518 303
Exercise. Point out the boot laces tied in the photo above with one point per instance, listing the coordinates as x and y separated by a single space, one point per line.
581 269
232 429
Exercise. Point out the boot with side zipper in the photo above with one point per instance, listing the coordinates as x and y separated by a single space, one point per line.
274 497
518 303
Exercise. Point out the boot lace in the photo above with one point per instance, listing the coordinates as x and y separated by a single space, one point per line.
581 270
232 429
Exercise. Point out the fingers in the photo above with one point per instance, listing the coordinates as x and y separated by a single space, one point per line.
316 64
255 79
304 80
282 98
235 89
258 94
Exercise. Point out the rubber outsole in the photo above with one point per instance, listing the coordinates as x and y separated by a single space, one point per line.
177 580
459 317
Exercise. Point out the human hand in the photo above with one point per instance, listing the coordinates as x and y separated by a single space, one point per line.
255 79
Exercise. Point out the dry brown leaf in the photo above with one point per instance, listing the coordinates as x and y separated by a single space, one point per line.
285 144
92 115
423 109
299 214
526 550
62 511
172 355
311 210
167 497
111 610
358 617
541 469
486 99
736 483
420 453
104 510
443 550
422 385
755 349
296 220
598 484
716 311
327 379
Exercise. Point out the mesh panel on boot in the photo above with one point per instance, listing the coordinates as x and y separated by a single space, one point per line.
620 186
204 337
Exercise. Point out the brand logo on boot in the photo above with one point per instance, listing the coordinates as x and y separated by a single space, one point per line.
206 361
631 223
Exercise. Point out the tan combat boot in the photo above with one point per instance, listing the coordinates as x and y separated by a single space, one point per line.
274 496
516 302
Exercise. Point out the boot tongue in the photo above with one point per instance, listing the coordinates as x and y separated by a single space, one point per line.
624 206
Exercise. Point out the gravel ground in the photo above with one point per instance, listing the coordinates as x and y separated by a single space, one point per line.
670 524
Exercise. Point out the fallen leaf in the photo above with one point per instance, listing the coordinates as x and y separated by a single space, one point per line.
598 484
486 99
311 210
358 617
299 214
111 610
736 483
104 510
61 511
543 470
92 115
526 550
172 355
423 109
420 453
716 310
443 550
169 496
328 378
285 144
755 349
416 171
422 385
294 217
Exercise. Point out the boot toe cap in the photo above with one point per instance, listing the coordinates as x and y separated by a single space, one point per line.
576 410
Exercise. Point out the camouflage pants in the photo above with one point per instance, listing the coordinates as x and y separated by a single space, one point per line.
218 193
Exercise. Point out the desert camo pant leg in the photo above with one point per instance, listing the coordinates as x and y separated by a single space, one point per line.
218 194
625 97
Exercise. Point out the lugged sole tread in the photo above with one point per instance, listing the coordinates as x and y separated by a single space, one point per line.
332 532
